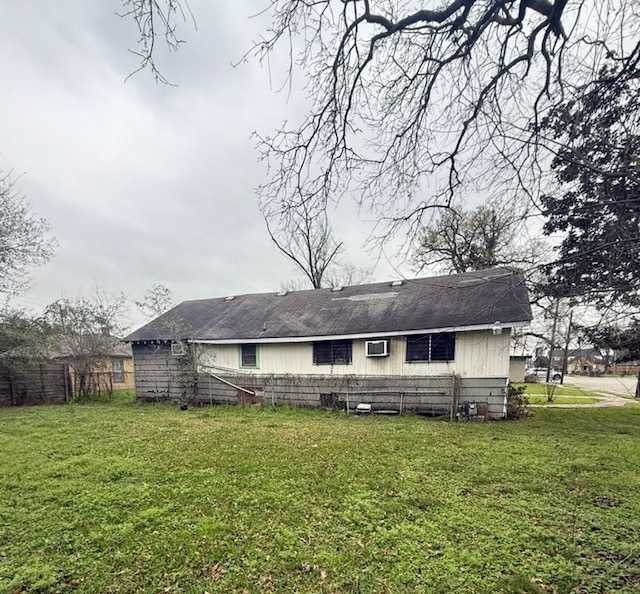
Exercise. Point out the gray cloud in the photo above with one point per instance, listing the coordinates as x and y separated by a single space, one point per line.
143 182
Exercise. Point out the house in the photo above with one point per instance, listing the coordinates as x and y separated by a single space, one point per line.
92 363
104 362
582 361
586 361
407 345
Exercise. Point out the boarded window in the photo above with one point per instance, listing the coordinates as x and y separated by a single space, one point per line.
249 355
332 352
431 347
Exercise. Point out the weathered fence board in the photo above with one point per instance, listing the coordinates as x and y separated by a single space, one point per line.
27 384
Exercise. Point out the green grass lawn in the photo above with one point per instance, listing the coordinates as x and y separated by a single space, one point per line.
560 390
562 394
542 399
119 497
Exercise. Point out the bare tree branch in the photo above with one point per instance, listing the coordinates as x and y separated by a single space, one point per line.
413 107
305 237
155 18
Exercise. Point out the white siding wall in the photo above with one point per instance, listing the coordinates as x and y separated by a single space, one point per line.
483 354
477 354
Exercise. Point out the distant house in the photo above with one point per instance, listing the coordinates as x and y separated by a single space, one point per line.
92 363
586 361
410 345
581 361
111 361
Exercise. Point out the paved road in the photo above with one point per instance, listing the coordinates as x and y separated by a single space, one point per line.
622 386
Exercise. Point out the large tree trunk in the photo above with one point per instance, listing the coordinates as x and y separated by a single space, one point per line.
638 385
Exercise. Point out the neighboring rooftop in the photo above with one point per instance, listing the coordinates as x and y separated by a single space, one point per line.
452 301
65 347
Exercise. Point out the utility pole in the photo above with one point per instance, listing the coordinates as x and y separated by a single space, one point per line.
553 339
565 357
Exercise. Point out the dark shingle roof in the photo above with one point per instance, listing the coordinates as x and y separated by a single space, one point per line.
469 299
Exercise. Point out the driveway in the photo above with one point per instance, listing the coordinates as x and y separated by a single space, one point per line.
620 386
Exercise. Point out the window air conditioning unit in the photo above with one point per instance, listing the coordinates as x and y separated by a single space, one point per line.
376 348
178 349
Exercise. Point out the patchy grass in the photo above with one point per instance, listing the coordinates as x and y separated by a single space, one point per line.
120 497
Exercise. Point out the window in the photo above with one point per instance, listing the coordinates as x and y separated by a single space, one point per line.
332 352
431 347
249 355
118 370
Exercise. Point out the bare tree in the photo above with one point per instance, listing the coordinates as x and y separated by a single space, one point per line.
408 92
460 240
294 284
24 240
303 235
338 274
418 105
347 274
84 331
157 301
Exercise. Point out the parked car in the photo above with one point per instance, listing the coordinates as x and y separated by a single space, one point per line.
540 374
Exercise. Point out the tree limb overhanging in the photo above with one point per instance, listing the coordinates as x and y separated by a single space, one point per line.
417 106
414 107
155 18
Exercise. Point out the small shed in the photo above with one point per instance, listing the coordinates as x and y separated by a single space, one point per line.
517 368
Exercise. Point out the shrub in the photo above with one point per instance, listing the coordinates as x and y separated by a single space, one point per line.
517 402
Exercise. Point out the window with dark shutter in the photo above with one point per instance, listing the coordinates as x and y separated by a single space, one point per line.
322 353
442 346
418 347
332 352
249 355
431 347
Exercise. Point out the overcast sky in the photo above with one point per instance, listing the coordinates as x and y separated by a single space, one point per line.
145 183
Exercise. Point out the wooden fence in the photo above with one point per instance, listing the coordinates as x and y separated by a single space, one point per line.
625 369
26 384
